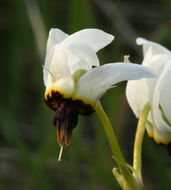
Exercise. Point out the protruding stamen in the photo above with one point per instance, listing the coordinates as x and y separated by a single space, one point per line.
60 154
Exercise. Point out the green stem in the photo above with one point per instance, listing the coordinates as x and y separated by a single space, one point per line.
129 179
137 163
110 135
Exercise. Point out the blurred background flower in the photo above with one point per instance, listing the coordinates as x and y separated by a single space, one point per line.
155 91
28 148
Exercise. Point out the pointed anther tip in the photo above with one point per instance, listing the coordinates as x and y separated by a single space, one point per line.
60 154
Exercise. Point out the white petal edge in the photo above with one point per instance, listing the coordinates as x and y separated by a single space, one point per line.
92 85
156 48
161 131
95 38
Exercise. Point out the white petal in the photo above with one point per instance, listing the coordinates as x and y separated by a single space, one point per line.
137 95
140 92
64 85
76 64
96 82
147 58
162 131
58 61
165 92
84 52
156 63
96 39
55 37
58 72
156 48
46 66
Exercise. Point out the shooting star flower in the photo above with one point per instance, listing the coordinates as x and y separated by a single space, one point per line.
156 91
74 80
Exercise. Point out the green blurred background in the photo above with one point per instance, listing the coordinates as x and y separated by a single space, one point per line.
28 148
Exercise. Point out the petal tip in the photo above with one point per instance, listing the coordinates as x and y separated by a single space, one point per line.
110 37
52 31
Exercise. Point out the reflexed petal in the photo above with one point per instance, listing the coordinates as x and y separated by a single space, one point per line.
162 131
96 39
84 52
156 48
96 82
55 37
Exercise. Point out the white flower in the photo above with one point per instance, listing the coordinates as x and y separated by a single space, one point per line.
73 79
156 91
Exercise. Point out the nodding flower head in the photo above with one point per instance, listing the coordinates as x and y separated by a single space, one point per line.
74 80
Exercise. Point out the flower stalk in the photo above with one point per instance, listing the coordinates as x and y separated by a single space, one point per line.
137 160
125 177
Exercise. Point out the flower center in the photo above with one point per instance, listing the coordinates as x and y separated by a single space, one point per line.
66 114
54 98
65 119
